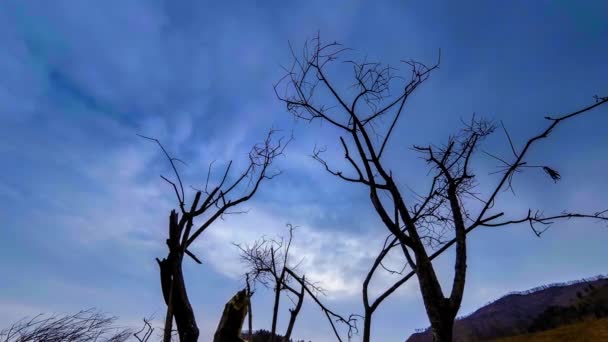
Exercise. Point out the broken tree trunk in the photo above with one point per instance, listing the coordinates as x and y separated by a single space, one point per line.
174 287
231 324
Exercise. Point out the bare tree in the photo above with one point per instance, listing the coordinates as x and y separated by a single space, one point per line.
269 264
209 204
427 225
84 326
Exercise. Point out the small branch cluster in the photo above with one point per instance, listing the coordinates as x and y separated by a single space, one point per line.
84 326
268 263
452 182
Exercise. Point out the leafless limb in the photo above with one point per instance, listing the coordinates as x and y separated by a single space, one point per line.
145 332
350 322
546 221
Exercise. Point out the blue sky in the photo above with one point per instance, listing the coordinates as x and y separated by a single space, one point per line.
84 212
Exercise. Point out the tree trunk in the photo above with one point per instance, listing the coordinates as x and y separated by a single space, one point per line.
169 317
171 272
294 313
249 316
367 326
174 287
442 329
275 311
231 323
439 310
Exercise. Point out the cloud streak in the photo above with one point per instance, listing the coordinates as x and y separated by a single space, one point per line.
83 203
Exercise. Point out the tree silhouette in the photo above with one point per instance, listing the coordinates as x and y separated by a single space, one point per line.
209 204
426 226
268 262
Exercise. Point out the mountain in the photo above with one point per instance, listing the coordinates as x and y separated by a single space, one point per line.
538 309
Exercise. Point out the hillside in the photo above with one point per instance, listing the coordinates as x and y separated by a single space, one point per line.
594 330
538 309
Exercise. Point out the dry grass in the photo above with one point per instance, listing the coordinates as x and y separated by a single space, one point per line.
596 330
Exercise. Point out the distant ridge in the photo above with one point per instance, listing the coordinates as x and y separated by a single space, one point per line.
515 312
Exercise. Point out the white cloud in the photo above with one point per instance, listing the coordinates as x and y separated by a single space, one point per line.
133 205
338 260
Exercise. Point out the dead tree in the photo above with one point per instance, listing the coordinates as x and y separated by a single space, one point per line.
231 323
186 225
84 326
423 227
267 260
269 264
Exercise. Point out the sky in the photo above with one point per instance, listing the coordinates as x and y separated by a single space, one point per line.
84 211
